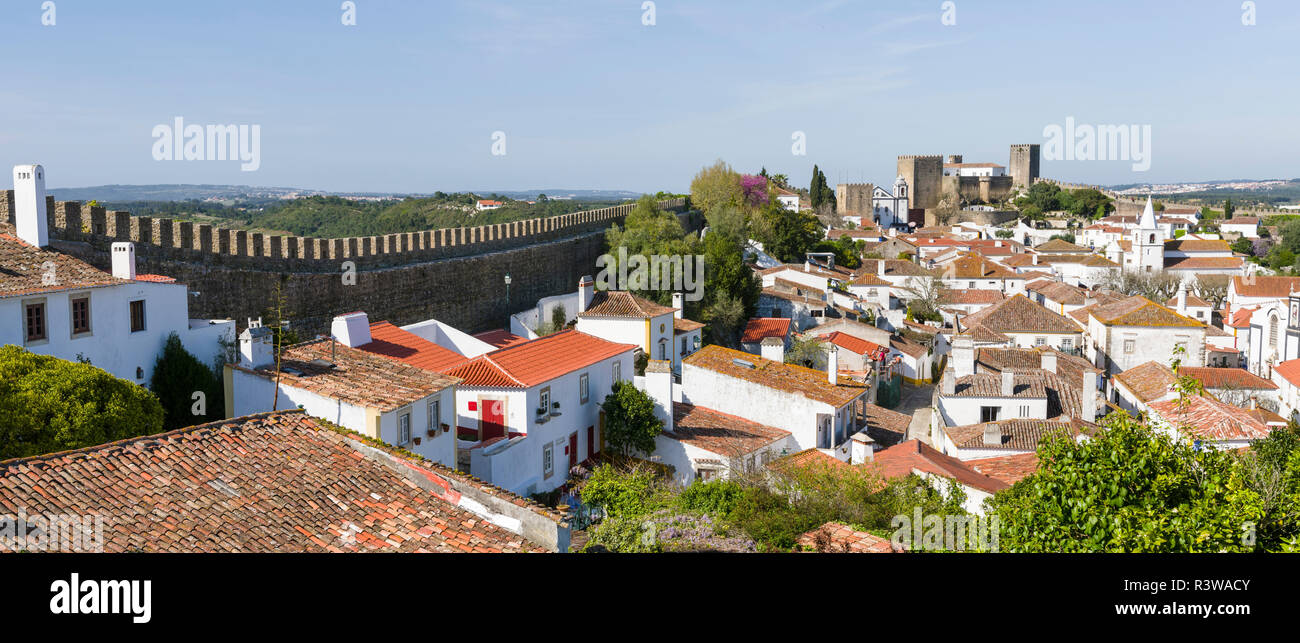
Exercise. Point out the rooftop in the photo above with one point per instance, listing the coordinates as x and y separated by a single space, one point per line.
1271 287
1149 381
835 538
274 482
620 303
23 270
407 347
1209 419
915 456
1226 378
1017 435
788 378
1008 468
760 328
721 433
500 337
1020 315
1140 311
540 360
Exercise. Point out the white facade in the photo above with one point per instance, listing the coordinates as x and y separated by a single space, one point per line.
890 209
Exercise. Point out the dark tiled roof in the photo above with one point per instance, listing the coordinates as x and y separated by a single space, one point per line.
23 270
275 482
1020 315
886 427
1140 311
1148 381
1017 435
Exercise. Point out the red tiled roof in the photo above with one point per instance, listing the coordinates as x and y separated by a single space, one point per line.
837 538
808 458
537 361
407 347
905 458
1290 371
1209 419
681 325
1020 315
1140 311
1008 468
1197 245
620 303
959 296
1272 287
1202 263
721 433
24 270
789 378
274 482
1240 317
500 338
851 343
1235 378
159 279
1148 381
760 328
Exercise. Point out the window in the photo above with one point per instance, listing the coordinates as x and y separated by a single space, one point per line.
618 371
1067 342
1040 341
582 389
435 415
80 315
1129 346
663 350
1024 411
545 404
137 315
683 347
404 428
972 284
548 460
989 413
35 319
1272 331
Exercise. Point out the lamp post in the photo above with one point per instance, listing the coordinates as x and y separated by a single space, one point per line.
507 287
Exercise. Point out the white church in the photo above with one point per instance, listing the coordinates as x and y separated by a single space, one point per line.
890 210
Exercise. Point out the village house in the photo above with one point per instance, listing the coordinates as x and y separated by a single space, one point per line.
54 304
1024 323
788 200
1207 421
1252 290
1235 386
1287 377
660 332
1137 330
1245 226
916 457
973 271
762 328
1134 389
337 380
277 482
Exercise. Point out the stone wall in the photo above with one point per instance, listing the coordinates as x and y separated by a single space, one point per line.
455 275
924 175
853 199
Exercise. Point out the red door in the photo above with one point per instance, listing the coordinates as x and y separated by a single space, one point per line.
492 419
573 450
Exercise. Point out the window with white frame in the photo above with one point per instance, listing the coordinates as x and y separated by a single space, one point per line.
1130 345
548 460
435 415
583 395
618 371
404 428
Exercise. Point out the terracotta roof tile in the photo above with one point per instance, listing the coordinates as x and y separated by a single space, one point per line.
1017 435
1140 311
23 270
1290 371
537 361
500 338
721 433
760 328
967 296
1149 381
835 538
1020 314
1203 263
1008 468
619 303
903 459
789 378
681 325
1209 419
407 347
1272 287
275 482
1234 378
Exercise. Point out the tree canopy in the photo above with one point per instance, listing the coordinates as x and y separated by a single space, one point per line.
630 421
48 405
177 377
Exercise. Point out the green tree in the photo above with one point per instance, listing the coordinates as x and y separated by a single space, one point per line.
1089 203
1243 246
716 186
1228 209
1128 488
792 234
807 351
48 404
647 231
630 421
177 377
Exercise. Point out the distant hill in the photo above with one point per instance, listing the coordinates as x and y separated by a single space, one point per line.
203 192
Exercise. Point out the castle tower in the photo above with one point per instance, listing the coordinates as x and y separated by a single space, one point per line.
853 199
1024 165
31 216
1148 242
924 174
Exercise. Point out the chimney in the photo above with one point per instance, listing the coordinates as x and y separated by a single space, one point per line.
949 382
679 302
255 346
351 330
659 386
880 267
30 213
1008 383
1254 402
586 291
772 348
1049 361
833 364
1182 298
862 448
1034 258
124 260
963 356
992 435
1088 397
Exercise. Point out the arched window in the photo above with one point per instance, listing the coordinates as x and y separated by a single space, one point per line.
1153 238
1272 331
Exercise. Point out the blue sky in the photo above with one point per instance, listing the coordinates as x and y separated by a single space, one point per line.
588 97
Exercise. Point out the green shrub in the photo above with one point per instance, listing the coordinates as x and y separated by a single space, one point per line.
177 376
715 497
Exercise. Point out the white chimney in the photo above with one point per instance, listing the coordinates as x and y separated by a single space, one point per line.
1008 384
949 382
1182 298
833 364
679 302
124 260
1049 361
963 356
880 267
992 434
1088 396
659 386
256 349
586 291
351 330
772 348
30 215
862 448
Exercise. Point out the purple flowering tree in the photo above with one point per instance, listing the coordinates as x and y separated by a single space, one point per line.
753 189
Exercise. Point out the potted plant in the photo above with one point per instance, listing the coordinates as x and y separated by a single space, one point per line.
555 408
417 441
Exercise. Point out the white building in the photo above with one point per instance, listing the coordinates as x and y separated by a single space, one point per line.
788 200
889 210
1137 330
974 169
486 204
54 304
660 332
1245 226
337 380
